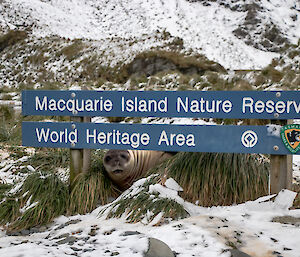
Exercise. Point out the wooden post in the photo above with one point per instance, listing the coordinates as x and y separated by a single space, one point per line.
80 159
86 153
281 172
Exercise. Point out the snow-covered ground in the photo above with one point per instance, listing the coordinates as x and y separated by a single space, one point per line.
264 227
260 228
205 29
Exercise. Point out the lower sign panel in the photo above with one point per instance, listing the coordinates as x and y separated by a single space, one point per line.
185 138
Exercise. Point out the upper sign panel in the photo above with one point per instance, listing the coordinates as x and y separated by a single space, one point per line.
194 104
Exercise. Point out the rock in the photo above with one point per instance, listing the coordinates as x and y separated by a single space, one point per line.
114 253
62 236
238 253
34 230
15 243
287 220
130 233
25 232
157 248
70 222
93 232
106 233
88 250
68 240
75 249
85 239
42 229
11 233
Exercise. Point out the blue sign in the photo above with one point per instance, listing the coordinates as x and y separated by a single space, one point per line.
187 138
194 104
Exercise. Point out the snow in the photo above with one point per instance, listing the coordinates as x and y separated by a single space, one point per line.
172 184
165 192
205 29
8 167
206 233
28 205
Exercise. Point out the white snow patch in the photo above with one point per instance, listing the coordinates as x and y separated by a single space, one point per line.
205 29
172 184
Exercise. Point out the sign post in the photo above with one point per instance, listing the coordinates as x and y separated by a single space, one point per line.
280 173
80 159
281 168
81 134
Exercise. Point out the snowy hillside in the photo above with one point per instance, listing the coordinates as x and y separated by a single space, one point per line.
260 228
236 34
141 45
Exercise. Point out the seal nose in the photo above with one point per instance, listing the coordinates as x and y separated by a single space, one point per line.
117 162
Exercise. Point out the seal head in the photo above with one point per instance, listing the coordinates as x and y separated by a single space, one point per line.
126 166
116 161
118 165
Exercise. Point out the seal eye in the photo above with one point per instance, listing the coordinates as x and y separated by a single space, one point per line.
123 156
107 159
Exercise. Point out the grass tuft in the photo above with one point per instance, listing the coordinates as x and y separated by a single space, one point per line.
3 189
41 198
139 203
50 158
296 188
218 178
91 189
12 37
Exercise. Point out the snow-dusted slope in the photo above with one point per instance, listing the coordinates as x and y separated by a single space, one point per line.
260 228
206 27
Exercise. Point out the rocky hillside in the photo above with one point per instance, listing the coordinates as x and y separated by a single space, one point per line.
51 43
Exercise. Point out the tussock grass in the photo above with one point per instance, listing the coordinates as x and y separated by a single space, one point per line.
210 179
142 205
6 117
218 178
73 50
4 133
91 189
50 158
10 210
182 62
3 189
41 198
296 188
10 132
12 37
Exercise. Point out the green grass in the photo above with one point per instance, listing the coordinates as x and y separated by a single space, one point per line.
3 189
218 178
182 62
50 159
49 194
10 210
144 205
91 189
11 38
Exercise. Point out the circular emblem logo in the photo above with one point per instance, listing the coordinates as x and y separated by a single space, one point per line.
290 135
249 139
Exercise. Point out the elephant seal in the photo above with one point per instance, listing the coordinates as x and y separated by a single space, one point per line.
126 166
